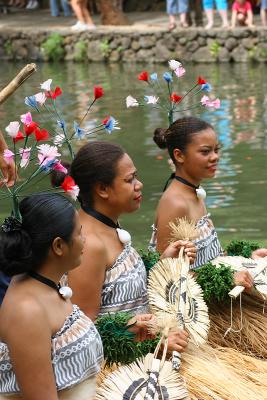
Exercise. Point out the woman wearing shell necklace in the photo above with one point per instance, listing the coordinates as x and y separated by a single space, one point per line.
112 276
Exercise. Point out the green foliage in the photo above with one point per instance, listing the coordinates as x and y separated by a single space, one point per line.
241 248
80 51
214 48
216 283
53 47
8 47
150 258
105 48
118 342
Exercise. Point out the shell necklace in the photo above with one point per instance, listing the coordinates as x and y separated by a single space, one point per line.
123 235
200 192
64 291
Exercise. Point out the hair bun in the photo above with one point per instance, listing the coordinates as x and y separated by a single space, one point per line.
15 252
160 138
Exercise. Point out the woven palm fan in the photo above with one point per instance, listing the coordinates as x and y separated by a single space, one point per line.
246 319
148 378
172 290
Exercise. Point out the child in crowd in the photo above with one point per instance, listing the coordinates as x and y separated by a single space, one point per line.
175 7
84 20
222 9
242 13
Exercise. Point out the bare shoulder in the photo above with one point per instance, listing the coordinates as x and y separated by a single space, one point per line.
94 250
19 313
172 205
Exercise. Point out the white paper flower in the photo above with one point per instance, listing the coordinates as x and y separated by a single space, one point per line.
131 102
47 152
173 64
151 99
25 156
59 139
46 85
13 128
40 98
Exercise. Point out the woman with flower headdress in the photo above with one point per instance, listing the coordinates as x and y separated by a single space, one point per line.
112 277
194 149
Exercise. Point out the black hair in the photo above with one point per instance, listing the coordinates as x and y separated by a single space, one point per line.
45 216
179 134
95 162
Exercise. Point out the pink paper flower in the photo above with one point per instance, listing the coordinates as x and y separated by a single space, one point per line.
40 98
8 156
47 153
180 71
13 128
26 119
25 156
59 167
207 102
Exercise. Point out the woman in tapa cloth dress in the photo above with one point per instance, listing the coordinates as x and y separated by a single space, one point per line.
112 276
49 348
194 149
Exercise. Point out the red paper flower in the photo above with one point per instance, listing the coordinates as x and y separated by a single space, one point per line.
30 128
201 81
68 184
175 98
18 137
143 76
98 92
53 95
105 120
41 134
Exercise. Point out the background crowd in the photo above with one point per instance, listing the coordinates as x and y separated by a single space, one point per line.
232 12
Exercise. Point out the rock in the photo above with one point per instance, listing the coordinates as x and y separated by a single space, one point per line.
202 54
135 45
223 34
183 40
201 41
223 55
248 43
147 42
239 54
21 53
128 55
260 53
192 46
231 43
125 43
114 56
162 53
95 52
145 55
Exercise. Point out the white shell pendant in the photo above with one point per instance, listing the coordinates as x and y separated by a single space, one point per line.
65 292
124 236
201 193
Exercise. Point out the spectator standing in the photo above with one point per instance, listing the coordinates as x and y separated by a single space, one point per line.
175 7
83 16
242 13
55 9
222 9
264 12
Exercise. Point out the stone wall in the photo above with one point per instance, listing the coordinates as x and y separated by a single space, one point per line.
194 44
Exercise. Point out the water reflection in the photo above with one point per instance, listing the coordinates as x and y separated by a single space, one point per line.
236 197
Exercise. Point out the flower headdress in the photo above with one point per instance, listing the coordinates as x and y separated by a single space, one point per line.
35 146
174 102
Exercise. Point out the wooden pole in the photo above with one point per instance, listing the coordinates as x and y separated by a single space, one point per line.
24 74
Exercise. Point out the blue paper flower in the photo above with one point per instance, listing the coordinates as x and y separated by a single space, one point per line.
61 123
110 124
154 77
167 76
31 102
47 166
206 87
79 132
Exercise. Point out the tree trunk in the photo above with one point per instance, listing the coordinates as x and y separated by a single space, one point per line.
110 14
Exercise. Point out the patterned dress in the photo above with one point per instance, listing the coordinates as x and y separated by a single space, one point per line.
125 287
76 356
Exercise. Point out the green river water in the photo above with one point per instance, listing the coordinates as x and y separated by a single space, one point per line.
236 197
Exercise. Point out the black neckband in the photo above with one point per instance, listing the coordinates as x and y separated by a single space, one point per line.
44 280
100 217
185 182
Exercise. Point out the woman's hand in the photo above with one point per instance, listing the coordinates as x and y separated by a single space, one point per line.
142 325
178 340
259 253
173 250
243 278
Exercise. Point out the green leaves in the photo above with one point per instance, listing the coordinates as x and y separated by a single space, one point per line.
241 248
215 282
